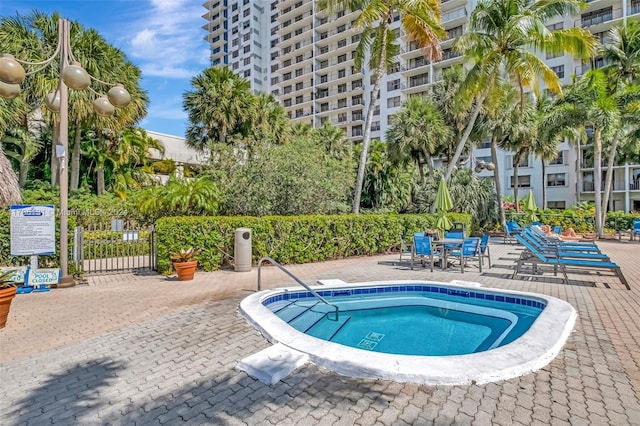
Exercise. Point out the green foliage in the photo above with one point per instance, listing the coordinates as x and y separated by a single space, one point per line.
184 255
297 178
193 196
289 239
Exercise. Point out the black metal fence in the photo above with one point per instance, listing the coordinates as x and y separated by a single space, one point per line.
114 247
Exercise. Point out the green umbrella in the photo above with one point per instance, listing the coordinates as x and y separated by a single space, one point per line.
443 204
530 208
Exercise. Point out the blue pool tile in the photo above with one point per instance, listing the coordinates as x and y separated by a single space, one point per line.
490 297
511 299
499 298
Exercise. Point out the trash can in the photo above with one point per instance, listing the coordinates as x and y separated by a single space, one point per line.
242 250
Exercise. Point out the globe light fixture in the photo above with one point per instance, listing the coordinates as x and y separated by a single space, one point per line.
73 76
482 165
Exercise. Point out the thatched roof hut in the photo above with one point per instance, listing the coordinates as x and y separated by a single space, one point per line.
9 187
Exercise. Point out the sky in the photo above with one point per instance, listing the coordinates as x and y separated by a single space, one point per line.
164 38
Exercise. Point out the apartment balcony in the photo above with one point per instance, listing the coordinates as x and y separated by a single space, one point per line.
303 24
289 3
335 65
328 37
448 5
335 78
601 21
290 13
296 47
417 67
292 64
324 23
455 17
634 9
336 49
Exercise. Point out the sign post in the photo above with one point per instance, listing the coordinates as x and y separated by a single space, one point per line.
33 233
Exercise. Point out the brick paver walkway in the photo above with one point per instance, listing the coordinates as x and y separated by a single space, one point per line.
129 349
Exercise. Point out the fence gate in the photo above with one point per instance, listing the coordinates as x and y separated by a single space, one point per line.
114 248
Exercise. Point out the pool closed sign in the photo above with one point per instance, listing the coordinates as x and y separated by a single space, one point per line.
33 230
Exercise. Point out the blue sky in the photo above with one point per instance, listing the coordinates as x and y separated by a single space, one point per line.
164 38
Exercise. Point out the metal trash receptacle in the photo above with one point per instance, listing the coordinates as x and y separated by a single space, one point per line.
242 250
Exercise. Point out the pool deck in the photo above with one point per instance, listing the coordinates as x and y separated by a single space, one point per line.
145 349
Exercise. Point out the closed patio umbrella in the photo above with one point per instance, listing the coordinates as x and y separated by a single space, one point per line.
530 208
443 205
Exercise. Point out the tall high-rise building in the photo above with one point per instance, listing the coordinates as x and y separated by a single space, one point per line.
306 58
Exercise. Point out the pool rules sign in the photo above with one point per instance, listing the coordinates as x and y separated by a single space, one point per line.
33 230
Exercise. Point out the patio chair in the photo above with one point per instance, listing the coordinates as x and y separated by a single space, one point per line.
636 230
422 248
470 251
532 255
406 249
512 229
484 249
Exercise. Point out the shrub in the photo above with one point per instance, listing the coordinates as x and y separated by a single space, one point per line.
289 239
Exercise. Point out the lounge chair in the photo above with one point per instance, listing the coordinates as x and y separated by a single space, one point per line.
535 257
511 230
470 250
635 232
422 248
562 251
484 249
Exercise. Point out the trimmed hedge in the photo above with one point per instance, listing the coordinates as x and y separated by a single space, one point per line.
289 239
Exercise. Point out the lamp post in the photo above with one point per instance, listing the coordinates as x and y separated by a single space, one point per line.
73 76
482 165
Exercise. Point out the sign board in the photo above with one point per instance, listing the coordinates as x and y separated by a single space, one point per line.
19 273
33 230
38 277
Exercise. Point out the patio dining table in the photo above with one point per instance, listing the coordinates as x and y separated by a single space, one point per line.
447 244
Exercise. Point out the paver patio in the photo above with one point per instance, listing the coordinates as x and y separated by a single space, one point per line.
144 349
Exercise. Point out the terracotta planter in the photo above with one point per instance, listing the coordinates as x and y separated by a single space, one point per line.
185 270
6 296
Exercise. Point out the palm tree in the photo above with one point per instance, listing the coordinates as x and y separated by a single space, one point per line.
9 187
587 104
34 38
26 146
333 139
546 149
503 40
622 56
267 123
217 106
415 133
420 20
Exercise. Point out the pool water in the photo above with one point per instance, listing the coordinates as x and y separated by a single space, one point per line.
424 324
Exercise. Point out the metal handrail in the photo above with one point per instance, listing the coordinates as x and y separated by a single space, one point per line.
296 279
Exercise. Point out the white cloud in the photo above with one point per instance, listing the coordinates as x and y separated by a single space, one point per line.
168 39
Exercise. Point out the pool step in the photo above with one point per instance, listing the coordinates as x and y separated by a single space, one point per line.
309 318
294 310
329 328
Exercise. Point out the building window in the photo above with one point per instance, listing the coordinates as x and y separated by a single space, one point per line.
375 126
559 160
287 102
357 100
524 162
342 117
356 130
342 58
557 179
342 88
324 78
247 73
342 73
523 181
559 205
247 61
300 85
395 68
324 107
393 85
559 70
342 103
246 49
299 100
393 102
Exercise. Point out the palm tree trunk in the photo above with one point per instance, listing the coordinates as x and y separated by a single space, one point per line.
24 172
609 175
366 137
496 179
100 178
75 159
469 128
9 187
515 183
544 185
597 179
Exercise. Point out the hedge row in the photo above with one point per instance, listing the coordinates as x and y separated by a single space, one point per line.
289 239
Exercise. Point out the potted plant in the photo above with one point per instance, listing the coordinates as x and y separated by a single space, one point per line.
184 263
7 293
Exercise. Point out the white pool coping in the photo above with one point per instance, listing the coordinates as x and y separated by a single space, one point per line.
532 351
